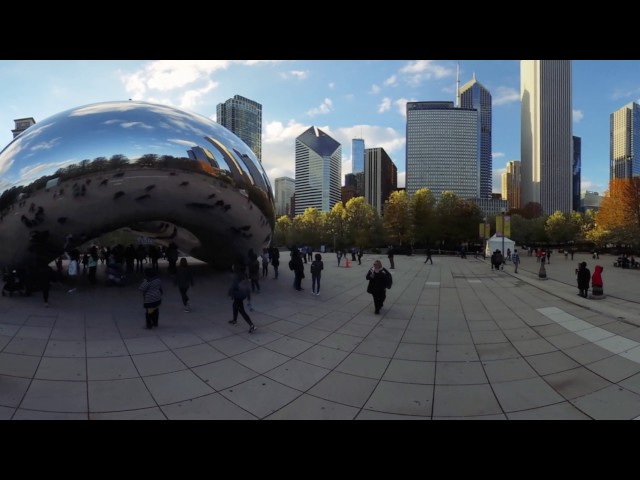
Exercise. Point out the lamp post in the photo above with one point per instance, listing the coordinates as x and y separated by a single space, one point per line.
504 256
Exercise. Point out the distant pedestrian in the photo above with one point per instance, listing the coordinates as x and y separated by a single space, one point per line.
390 254
359 255
274 254
379 280
183 281
239 291
515 257
151 288
316 273
428 259
73 269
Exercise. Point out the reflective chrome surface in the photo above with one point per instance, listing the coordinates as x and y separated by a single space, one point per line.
165 173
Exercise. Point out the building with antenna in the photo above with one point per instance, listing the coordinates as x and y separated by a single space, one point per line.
474 95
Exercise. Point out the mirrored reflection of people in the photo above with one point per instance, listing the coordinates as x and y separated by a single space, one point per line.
183 281
378 282
151 288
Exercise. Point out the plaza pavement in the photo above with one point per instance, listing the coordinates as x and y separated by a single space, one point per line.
455 340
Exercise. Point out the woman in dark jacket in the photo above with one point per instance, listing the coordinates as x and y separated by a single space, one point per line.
297 266
378 281
151 288
584 277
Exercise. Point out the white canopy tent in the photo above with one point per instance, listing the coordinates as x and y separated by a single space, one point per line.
495 243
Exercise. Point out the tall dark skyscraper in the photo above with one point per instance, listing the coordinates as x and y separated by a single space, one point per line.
577 178
380 177
474 95
244 118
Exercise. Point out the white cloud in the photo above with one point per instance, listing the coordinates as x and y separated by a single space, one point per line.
297 74
497 154
168 75
505 95
392 80
592 187
417 71
402 179
332 85
577 115
325 107
384 105
497 179
374 89
190 97
624 93
278 148
401 103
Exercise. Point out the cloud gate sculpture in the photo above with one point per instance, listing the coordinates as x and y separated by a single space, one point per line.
171 175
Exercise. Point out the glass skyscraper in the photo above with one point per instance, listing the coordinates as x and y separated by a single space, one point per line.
577 173
546 134
244 118
474 95
318 171
625 142
442 149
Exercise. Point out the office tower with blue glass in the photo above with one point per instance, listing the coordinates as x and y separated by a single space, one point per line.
475 95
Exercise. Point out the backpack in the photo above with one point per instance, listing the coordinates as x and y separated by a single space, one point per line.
389 279
315 268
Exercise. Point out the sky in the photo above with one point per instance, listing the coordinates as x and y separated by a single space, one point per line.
345 98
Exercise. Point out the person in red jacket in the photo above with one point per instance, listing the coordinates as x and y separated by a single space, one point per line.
596 281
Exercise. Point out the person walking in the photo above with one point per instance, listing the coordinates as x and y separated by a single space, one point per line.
515 258
584 277
428 259
254 272
359 255
183 281
379 280
274 253
238 292
316 268
73 269
151 288
265 262
390 255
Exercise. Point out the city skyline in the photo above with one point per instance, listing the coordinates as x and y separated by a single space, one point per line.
346 99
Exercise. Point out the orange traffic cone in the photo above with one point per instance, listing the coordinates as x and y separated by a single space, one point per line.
347 265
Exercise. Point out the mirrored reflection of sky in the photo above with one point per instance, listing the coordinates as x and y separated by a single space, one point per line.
131 129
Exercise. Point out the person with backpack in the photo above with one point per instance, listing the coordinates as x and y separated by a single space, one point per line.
379 281
151 288
239 290
316 268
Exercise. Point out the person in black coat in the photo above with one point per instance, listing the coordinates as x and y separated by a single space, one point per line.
296 265
584 277
378 277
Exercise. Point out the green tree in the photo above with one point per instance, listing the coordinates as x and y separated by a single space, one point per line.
560 228
337 225
281 233
397 218
424 216
308 227
360 217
